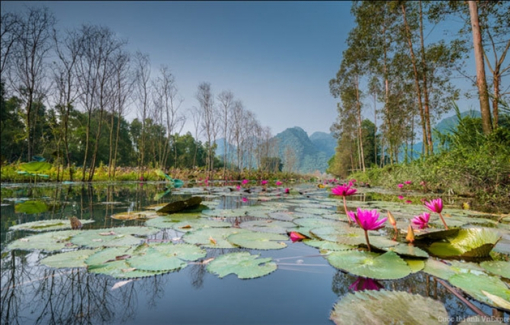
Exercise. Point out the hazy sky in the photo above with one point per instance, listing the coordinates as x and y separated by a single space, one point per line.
277 57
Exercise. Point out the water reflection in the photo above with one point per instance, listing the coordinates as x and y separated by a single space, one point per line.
36 294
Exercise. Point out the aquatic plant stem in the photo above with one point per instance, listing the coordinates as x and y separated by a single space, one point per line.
464 300
442 219
368 242
345 208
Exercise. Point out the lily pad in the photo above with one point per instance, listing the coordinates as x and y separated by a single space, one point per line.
190 225
258 240
473 284
177 206
31 207
35 166
244 265
370 265
271 226
48 241
415 265
387 307
327 245
68 259
472 242
112 261
438 269
166 257
135 215
500 268
408 250
47 225
212 237
350 236
122 236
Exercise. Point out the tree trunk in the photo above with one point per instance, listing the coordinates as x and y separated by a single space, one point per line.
425 86
481 81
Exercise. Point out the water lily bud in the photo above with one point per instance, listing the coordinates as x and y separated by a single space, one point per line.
391 219
410 234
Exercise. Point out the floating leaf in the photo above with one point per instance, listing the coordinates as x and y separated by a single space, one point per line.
201 237
98 263
35 166
68 259
258 240
438 269
190 225
271 226
282 215
122 236
135 215
244 265
327 245
434 234
47 225
350 236
500 268
48 242
473 284
387 307
471 242
415 265
370 265
181 205
498 301
408 250
31 207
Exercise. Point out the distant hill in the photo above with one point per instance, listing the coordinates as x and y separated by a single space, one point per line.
298 151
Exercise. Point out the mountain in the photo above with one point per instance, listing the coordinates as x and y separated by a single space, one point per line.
297 151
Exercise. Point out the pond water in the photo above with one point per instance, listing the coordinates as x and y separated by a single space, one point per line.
302 290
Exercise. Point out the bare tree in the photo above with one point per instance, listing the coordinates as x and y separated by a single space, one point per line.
167 103
143 73
33 43
226 99
197 121
10 30
95 68
67 47
209 120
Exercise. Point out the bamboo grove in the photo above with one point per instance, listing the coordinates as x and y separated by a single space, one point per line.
66 95
408 79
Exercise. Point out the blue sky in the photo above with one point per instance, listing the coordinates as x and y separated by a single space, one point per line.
277 57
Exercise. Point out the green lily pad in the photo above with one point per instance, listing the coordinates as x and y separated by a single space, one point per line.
473 284
438 269
178 206
471 242
282 215
35 166
106 262
166 257
68 259
271 226
387 307
317 222
190 225
434 234
327 245
244 265
408 250
351 236
258 240
500 268
122 236
48 241
47 225
415 265
135 215
31 207
212 237
370 265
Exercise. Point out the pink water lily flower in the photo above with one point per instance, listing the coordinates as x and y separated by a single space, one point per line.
278 183
244 199
408 182
245 181
362 283
344 190
295 236
367 220
400 185
400 197
287 191
264 182
238 187
437 207
422 220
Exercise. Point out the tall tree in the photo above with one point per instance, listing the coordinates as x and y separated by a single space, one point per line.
142 89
